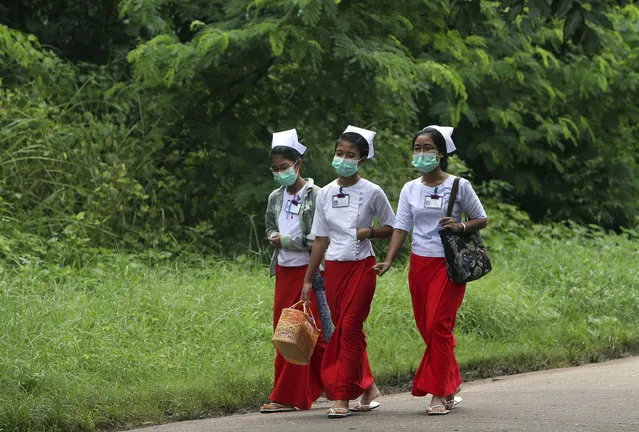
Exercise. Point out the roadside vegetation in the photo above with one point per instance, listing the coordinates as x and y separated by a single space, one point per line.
134 140
122 340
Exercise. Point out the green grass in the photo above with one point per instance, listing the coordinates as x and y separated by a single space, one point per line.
117 343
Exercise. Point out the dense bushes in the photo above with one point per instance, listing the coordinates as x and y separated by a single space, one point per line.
170 148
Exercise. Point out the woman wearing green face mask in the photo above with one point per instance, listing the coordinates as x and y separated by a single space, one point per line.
289 217
436 299
343 227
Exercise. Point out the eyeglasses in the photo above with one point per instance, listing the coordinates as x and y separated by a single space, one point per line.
424 150
275 169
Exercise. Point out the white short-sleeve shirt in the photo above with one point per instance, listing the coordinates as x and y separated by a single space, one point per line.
412 212
289 223
340 211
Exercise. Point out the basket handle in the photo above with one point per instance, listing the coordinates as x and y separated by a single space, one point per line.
307 312
297 304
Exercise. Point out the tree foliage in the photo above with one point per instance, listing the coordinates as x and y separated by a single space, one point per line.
173 142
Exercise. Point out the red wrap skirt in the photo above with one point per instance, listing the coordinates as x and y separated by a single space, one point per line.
295 385
350 286
436 300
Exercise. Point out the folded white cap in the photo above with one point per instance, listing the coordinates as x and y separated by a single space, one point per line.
288 138
447 133
368 136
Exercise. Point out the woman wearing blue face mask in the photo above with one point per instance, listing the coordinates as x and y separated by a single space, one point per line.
343 227
289 217
422 207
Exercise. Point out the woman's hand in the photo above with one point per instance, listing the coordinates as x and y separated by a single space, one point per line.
275 241
381 268
306 290
449 224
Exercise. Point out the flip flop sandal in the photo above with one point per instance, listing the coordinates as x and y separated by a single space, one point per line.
365 408
274 407
431 410
338 412
450 404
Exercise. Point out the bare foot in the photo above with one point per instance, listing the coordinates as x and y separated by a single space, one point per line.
369 395
340 404
437 401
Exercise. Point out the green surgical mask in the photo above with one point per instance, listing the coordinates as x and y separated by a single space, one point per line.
345 167
286 177
425 162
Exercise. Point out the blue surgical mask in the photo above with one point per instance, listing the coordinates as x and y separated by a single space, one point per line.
286 177
425 162
345 167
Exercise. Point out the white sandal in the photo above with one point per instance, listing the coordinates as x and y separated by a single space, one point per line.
431 410
450 404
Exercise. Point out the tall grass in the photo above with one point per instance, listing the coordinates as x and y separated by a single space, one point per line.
116 343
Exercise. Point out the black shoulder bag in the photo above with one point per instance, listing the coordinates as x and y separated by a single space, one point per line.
466 258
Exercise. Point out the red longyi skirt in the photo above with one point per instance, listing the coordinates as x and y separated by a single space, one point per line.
350 286
295 385
436 300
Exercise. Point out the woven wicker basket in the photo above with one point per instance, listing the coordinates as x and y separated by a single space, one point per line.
296 334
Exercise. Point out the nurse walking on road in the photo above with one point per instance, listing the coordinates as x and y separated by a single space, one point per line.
289 217
436 299
343 229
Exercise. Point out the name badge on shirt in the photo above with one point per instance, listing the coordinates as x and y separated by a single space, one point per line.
341 200
433 201
293 207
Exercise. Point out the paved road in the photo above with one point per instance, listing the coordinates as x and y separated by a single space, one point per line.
595 397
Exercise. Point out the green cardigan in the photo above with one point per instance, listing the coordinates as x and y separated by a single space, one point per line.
273 208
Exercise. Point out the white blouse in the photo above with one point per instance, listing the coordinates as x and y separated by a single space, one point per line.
414 212
340 211
288 222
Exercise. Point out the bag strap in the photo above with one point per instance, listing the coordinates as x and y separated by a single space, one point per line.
453 197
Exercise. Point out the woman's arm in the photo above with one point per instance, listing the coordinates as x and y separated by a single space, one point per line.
471 205
377 233
396 243
384 214
290 242
403 224
468 226
270 221
270 218
317 253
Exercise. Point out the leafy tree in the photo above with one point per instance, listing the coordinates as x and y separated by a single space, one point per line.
74 29
515 91
174 144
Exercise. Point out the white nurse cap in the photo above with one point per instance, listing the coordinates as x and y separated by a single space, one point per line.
447 133
288 138
368 136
